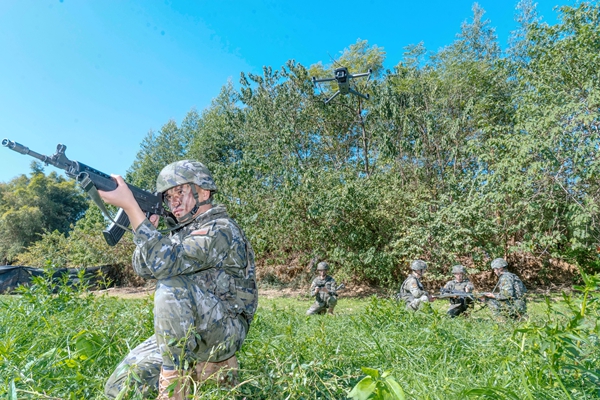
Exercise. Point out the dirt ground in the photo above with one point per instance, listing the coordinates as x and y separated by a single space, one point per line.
269 293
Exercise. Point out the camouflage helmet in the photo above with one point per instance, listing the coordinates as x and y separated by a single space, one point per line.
499 263
459 269
182 172
322 266
418 265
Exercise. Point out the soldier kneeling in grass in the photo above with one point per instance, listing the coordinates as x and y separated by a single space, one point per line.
459 284
206 293
412 290
323 289
509 300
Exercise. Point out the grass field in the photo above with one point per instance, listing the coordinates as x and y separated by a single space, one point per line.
63 344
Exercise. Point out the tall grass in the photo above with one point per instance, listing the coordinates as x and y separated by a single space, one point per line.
64 343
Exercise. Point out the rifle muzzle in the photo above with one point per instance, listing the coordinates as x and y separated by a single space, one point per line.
19 148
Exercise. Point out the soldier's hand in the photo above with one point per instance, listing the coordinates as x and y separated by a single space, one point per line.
154 220
123 198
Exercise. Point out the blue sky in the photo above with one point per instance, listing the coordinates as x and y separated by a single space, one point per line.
97 76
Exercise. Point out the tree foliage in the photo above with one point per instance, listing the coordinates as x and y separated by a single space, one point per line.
33 205
461 155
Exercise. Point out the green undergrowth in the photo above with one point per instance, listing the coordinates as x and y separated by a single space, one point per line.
64 343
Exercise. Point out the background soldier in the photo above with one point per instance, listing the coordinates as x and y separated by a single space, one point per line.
460 283
412 291
510 298
206 292
323 289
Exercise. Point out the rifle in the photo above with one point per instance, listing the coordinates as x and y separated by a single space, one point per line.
451 294
455 294
92 180
341 286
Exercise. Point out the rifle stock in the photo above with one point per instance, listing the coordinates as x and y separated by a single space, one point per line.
150 203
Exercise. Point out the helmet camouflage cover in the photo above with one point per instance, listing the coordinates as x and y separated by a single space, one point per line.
322 266
459 269
418 264
182 172
499 263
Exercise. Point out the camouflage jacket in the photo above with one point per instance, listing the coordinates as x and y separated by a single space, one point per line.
212 251
328 283
510 287
464 286
412 288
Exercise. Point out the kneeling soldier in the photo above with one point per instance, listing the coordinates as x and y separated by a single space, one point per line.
412 291
206 293
324 291
460 283
510 298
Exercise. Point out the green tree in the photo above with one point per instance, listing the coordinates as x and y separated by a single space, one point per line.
552 156
157 150
31 206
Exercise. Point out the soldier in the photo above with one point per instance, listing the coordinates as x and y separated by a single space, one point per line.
510 298
206 291
324 291
460 283
412 291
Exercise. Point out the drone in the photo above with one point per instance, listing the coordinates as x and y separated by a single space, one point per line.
342 77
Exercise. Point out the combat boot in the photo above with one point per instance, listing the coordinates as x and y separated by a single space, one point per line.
165 383
224 372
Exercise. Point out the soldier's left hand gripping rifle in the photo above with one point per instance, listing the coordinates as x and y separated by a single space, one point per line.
91 180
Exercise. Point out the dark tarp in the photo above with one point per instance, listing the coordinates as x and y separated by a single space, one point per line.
12 276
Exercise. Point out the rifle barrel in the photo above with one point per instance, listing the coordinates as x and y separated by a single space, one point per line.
19 148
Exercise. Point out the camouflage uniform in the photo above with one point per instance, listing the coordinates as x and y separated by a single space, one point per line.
509 300
205 297
323 301
411 290
460 304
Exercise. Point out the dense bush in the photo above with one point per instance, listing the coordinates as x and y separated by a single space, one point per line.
462 155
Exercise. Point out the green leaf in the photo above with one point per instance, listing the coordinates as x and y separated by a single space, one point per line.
12 391
373 373
394 388
363 389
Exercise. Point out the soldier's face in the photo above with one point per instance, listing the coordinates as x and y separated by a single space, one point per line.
459 277
322 273
498 271
180 199
418 272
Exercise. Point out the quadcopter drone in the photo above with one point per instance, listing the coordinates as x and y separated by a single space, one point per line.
342 77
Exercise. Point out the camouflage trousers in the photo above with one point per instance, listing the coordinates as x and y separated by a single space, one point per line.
414 304
320 307
190 325
514 309
459 307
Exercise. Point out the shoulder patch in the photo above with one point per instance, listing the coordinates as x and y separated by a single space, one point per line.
202 231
